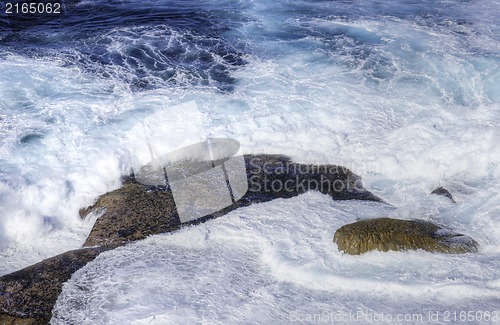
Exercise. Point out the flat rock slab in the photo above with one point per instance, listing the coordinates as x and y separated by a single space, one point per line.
385 234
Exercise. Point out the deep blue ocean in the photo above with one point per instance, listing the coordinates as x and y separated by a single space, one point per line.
405 93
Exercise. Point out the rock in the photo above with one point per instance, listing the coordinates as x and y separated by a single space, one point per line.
28 296
136 211
386 234
444 192
276 176
10 320
130 213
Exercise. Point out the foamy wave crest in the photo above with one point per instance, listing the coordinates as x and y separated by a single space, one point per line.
277 258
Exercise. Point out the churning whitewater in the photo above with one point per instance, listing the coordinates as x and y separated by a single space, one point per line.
404 93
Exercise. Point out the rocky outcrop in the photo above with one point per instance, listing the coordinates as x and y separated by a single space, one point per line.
28 296
386 234
136 211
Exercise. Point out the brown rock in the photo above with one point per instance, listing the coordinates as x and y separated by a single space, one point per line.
10 320
386 234
130 213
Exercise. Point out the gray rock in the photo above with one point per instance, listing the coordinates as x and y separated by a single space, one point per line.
136 211
386 234
265 170
443 192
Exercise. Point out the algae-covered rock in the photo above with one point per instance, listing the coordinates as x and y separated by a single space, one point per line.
386 234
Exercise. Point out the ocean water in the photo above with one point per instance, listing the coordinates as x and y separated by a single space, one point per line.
404 93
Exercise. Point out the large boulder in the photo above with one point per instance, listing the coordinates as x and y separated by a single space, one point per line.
386 234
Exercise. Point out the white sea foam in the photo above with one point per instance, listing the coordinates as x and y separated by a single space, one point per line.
63 143
409 104
272 262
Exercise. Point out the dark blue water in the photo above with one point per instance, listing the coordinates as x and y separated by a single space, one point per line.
188 43
158 40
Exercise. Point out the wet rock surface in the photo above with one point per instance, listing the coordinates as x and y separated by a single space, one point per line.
130 213
385 234
28 296
136 211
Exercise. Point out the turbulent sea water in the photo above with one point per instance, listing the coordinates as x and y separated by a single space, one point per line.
404 93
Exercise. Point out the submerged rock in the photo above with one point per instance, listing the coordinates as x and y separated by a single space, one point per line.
443 192
28 296
386 234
